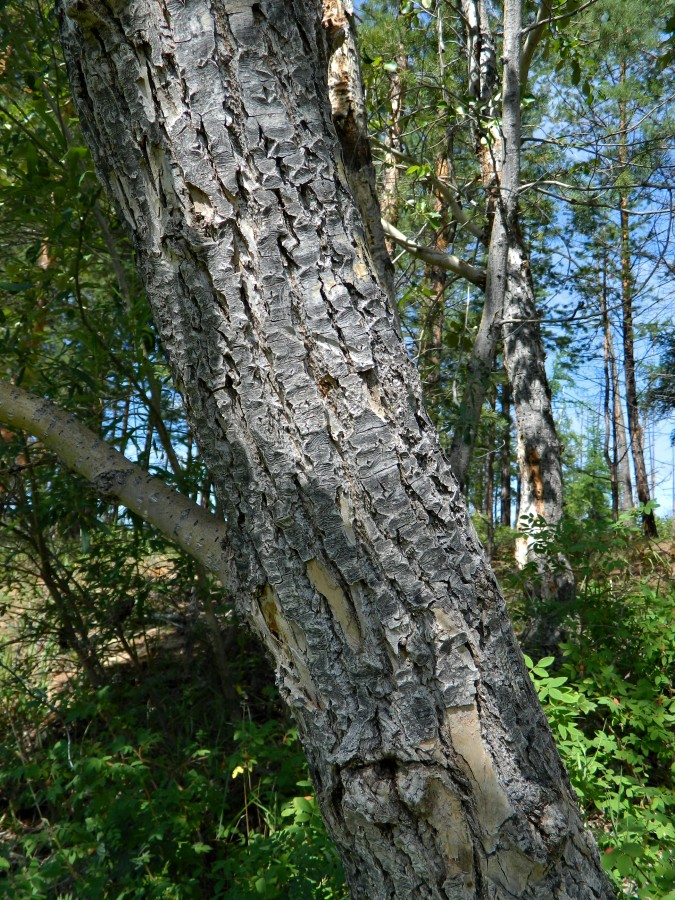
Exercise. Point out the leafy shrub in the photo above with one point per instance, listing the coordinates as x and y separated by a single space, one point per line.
150 790
610 699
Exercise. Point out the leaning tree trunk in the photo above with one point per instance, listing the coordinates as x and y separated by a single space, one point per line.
354 557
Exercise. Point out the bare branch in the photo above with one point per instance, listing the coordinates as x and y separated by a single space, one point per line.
447 261
196 531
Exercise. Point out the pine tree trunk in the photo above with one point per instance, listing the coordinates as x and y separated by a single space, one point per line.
611 456
618 461
354 558
505 457
636 436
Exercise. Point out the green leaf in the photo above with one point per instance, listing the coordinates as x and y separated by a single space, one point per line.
563 698
200 847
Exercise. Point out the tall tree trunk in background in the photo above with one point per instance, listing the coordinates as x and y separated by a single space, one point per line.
618 461
510 297
505 457
352 554
389 200
539 450
348 104
432 308
490 482
622 449
611 455
483 85
636 436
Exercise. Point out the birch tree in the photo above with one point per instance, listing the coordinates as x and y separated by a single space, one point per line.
347 544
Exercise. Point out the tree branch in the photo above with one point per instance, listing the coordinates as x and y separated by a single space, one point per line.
534 36
196 531
449 192
535 32
447 261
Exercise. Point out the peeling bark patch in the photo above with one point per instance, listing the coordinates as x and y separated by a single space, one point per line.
341 607
494 808
289 648
534 477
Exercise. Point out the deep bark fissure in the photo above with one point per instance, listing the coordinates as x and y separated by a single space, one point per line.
355 559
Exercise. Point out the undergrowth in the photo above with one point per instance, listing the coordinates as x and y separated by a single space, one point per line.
152 788
159 783
609 693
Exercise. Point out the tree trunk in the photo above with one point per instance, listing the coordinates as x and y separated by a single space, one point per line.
355 560
432 310
348 104
636 436
510 297
505 457
618 461
483 84
611 456
389 199
490 482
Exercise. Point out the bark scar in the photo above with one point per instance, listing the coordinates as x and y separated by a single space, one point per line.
533 460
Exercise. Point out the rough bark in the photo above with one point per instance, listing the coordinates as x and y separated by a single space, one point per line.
356 563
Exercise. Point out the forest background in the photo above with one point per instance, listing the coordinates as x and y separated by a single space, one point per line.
109 632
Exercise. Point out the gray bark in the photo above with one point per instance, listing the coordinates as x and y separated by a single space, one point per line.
356 563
